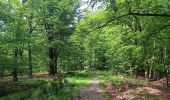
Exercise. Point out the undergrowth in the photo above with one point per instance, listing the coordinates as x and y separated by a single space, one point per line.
47 89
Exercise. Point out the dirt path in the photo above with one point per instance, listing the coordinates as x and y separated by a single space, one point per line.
92 92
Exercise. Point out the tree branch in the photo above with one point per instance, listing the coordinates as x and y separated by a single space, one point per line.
108 22
156 31
36 24
130 13
152 15
142 14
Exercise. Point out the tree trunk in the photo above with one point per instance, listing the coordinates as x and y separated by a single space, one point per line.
30 48
1 72
90 66
52 65
151 72
152 62
15 78
81 67
56 55
167 79
146 68
30 61
166 72
55 63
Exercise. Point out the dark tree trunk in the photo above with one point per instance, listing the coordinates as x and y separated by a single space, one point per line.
90 66
55 61
167 79
151 73
30 49
30 61
81 66
15 78
56 55
1 72
104 61
52 64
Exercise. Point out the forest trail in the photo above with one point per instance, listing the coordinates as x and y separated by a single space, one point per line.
92 92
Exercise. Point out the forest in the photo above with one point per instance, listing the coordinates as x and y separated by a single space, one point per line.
84 50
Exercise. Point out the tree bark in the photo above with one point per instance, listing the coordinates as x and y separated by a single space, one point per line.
151 15
167 79
30 47
56 54
166 71
81 67
30 61
52 65
15 76
146 67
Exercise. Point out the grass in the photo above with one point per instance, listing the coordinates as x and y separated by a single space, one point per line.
120 82
106 77
47 89
110 77
102 78
75 84
117 80
147 96
151 97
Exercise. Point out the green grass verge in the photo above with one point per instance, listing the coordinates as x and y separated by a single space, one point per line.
120 80
45 89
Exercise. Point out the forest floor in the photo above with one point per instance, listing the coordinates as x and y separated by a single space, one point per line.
92 92
44 86
84 86
10 78
129 90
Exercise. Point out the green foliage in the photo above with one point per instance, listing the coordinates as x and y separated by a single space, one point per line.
112 38
51 89
123 36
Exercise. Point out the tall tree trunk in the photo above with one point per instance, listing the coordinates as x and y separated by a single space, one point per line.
56 55
15 78
52 65
166 71
146 67
55 62
51 49
167 78
90 65
30 61
30 48
151 70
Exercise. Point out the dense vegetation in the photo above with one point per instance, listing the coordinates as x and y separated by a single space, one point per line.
58 37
